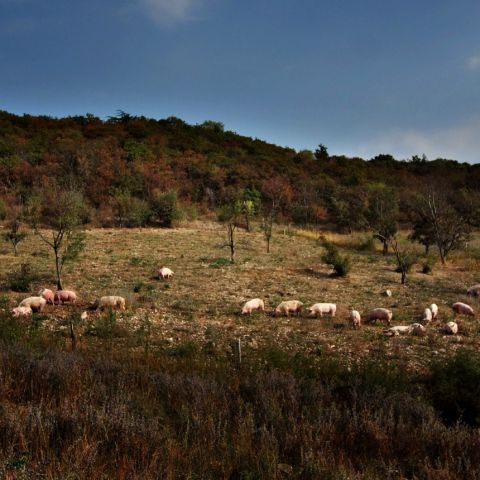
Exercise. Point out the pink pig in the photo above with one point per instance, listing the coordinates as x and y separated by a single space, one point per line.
463 309
47 294
64 296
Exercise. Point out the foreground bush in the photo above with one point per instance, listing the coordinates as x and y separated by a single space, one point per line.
122 415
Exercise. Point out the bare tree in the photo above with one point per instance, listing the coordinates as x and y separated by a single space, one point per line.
278 193
57 217
450 226
229 215
382 213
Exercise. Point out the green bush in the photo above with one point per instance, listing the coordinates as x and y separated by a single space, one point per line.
220 262
427 265
20 280
130 211
454 388
408 260
366 245
164 209
341 264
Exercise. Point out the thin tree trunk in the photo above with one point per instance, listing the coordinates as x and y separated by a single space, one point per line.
58 270
442 256
247 221
231 242
385 248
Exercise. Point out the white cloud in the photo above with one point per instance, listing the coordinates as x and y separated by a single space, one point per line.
473 63
166 12
460 142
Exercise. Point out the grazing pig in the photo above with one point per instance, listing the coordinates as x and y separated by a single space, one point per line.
395 331
37 304
474 291
463 309
417 329
289 306
165 273
111 301
434 310
321 308
451 328
65 296
380 314
427 316
47 294
355 319
21 311
251 305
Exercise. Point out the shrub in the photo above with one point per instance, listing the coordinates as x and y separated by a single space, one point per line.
341 264
20 280
130 211
184 350
164 209
427 265
454 388
366 245
220 262
407 261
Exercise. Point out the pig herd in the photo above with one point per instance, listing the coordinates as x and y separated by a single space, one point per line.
289 307
37 303
295 307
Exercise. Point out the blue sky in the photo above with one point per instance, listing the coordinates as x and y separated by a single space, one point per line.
360 76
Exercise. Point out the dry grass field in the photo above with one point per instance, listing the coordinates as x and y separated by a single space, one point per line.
201 304
158 391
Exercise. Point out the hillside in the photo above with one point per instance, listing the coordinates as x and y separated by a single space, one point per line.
127 163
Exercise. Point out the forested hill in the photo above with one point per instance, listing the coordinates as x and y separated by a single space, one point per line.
127 166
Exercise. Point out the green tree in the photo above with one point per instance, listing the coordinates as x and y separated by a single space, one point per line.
251 201
212 125
347 209
321 153
58 216
14 234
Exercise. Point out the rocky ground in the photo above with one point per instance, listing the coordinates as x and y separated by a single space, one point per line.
200 307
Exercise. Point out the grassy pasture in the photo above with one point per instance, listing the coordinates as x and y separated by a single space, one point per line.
202 302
